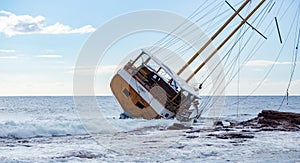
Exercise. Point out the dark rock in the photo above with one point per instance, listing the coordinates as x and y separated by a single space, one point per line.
232 135
219 128
23 141
222 123
212 135
192 136
269 120
218 123
180 147
194 131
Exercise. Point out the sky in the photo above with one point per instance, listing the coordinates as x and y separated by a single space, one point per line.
41 40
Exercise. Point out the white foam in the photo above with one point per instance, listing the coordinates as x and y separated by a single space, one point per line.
40 128
133 124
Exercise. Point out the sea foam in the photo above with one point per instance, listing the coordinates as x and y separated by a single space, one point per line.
45 128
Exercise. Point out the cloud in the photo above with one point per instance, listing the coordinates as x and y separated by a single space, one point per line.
107 69
91 70
8 57
7 51
264 63
11 25
5 12
49 56
60 62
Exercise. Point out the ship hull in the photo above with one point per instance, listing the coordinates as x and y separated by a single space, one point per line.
132 103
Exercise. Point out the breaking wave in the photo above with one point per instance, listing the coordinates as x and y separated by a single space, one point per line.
30 129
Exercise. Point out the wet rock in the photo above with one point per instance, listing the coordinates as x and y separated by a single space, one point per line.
218 123
23 141
192 136
217 128
232 135
220 128
222 123
194 131
269 120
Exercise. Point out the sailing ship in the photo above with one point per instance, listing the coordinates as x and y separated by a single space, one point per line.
147 88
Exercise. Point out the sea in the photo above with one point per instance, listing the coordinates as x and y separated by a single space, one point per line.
62 129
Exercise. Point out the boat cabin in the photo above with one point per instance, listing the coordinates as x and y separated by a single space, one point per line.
146 88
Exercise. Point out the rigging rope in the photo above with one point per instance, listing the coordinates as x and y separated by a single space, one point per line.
251 54
173 40
294 61
227 55
182 50
167 38
273 65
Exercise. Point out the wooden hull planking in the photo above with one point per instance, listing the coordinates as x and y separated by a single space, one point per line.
131 102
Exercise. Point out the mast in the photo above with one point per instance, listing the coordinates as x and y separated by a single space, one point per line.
224 42
213 37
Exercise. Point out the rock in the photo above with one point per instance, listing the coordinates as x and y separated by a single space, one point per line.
23 141
269 120
194 131
218 123
192 136
232 135
222 123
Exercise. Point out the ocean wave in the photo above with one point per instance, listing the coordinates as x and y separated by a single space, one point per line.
45 128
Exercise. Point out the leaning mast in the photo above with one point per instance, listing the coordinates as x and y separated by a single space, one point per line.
215 35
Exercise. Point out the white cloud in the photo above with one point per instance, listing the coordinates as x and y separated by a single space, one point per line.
49 56
7 51
91 70
5 12
8 57
60 62
11 25
107 69
264 63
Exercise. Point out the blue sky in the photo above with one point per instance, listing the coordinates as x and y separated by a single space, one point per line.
41 62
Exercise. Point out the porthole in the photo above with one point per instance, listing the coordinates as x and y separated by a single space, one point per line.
126 92
140 105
